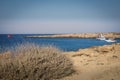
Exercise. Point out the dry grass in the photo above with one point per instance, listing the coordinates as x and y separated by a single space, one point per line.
31 62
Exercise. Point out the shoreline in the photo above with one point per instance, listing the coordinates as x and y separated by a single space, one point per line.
82 35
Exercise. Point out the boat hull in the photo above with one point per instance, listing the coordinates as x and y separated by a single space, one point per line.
110 40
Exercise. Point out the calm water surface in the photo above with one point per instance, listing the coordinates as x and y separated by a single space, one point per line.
66 44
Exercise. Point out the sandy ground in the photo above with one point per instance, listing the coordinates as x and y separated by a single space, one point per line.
96 63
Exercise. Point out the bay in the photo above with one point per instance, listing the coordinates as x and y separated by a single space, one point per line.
65 44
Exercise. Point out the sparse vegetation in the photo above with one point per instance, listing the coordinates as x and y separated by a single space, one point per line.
32 62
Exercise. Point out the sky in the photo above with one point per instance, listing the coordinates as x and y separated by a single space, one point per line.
59 16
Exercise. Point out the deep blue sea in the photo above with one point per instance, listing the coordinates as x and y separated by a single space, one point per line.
65 44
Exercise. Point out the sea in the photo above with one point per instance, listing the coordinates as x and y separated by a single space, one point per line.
65 44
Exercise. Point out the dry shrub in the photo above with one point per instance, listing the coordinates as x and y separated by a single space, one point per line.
31 62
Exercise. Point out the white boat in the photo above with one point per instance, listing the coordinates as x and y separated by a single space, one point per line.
110 40
101 37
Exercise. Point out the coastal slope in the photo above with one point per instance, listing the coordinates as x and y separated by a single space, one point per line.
96 63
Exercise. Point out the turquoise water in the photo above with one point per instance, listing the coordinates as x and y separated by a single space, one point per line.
66 44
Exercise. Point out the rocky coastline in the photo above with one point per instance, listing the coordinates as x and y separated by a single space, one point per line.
82 35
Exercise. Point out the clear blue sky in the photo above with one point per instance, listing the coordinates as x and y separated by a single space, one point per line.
59 16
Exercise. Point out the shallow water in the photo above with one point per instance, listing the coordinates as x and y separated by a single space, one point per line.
66 44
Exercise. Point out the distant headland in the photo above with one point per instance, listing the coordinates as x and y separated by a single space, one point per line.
81 35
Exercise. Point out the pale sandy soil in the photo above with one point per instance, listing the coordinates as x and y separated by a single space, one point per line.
96 63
